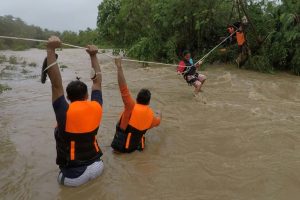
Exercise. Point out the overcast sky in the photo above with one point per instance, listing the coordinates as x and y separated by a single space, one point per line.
55 15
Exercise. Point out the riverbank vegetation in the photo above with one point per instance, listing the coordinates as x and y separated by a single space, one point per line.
4 87
15 27
161 30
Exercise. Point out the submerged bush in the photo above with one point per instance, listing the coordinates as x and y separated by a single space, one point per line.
10 67
3 59
32 64
63 66
116 52
24 71
23 64
13 60
4 88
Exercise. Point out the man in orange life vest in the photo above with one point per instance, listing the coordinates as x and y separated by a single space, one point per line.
230 30
78 152
242 46
136 118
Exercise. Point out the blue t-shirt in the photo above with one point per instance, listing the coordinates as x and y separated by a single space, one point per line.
61 107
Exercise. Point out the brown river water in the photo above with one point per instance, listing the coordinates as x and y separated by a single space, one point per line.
239 139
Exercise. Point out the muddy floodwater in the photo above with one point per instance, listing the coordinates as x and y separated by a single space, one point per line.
238 140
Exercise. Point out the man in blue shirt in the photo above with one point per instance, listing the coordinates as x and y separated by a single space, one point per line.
78 152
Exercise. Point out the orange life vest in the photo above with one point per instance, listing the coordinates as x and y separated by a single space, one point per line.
240 37
77 145
133 138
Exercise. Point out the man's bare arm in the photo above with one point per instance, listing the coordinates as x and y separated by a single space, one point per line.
53 72
97 80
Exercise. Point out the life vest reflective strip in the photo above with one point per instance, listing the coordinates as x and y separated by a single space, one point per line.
72 151
96 144
77 144
240 37
140 121
143 142
128 140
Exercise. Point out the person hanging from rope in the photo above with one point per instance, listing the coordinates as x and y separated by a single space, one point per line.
187 68
243 50
231 30
78 152
136 118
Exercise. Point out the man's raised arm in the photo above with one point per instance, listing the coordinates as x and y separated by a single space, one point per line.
126 97
121 77
97 79
53 72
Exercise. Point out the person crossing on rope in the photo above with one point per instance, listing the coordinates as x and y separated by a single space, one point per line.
187 68
136 118
230 30
78 152
243 50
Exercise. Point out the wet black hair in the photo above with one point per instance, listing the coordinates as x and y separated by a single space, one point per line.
143 97
77 91
185 52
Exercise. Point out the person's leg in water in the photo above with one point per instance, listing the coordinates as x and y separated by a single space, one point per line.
244 53
197 84
202 78
90 173
240 54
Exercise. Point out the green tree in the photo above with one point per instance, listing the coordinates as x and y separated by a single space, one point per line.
161 29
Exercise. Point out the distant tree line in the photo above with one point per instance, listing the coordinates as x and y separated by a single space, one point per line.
161 29
16 27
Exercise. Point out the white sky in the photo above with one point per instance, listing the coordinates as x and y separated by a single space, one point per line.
55 15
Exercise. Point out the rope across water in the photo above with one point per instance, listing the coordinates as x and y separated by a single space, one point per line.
79 47
129 60
125 59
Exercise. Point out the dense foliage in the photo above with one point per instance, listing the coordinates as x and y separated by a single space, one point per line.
10 26
161 29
